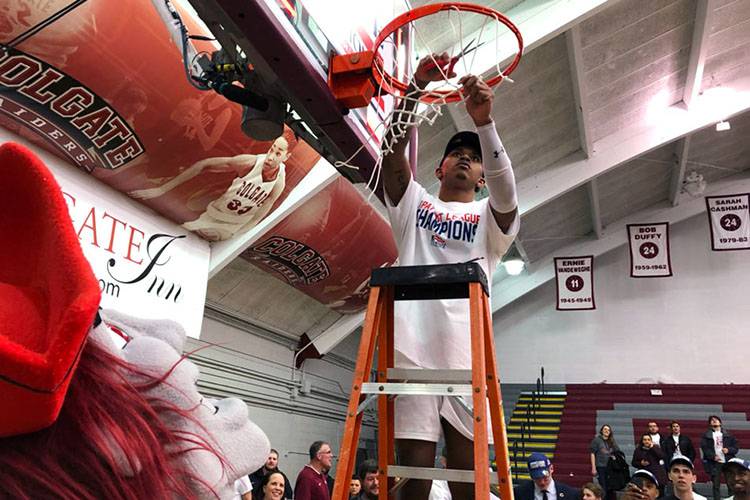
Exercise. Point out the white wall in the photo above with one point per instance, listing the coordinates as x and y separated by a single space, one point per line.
690 328
258 370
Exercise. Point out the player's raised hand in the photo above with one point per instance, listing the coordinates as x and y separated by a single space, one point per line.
478 97
433 68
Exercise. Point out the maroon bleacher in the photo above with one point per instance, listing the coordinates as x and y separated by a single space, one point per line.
578 424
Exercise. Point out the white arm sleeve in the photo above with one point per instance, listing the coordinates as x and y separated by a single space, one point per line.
498 173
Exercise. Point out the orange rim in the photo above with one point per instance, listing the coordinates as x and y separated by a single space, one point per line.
394 86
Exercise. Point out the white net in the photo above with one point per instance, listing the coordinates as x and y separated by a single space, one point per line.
486 33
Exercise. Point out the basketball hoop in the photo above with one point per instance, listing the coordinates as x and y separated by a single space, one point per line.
393 85
351 84
356 79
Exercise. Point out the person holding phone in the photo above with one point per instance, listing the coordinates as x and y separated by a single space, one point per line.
643 485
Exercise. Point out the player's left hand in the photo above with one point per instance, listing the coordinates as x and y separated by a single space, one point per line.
479 98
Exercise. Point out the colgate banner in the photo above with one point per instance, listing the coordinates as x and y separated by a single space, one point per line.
328 247
112 98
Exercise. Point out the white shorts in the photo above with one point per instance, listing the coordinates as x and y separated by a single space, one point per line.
418 417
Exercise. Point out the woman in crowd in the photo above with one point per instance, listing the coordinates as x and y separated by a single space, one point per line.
649 456
272 486
602 447
592 491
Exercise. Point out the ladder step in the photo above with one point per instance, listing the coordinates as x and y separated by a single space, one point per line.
411 389
426 473
423 375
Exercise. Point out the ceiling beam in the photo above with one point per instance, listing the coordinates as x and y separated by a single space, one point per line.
538 21
596 217
678 170
224 252
511 288
578 77
664 126
698 50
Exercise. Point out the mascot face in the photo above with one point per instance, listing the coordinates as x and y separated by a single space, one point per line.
154 348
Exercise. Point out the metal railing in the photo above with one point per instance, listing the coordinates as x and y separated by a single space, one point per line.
518 447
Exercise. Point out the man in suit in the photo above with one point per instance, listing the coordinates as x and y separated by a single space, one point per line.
677 444
542 486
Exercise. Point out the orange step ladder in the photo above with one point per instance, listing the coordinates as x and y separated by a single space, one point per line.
450 281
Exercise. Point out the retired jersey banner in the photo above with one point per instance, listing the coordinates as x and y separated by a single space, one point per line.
575 283
729 217
649 250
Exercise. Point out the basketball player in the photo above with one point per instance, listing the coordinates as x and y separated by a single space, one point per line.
259 182
448 228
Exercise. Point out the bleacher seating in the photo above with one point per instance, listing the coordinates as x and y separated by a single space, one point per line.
628 407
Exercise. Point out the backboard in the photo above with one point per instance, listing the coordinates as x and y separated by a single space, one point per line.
289 43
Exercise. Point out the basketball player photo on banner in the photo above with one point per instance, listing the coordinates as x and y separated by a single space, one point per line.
649 250
729 218
575 283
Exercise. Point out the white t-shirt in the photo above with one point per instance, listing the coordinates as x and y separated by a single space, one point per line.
249 197
435 333
242 486
676 440
656 438
718 446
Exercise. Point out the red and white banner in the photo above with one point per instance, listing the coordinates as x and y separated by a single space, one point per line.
575 283
729 218
328 247
649 250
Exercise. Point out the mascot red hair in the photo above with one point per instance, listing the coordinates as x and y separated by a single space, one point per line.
83 416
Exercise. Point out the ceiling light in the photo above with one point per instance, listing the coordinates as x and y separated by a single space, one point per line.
514 266
722 126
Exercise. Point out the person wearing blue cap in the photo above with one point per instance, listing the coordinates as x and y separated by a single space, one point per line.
542 486
447 227
737 476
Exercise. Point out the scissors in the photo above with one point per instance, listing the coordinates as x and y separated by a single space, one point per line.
448 69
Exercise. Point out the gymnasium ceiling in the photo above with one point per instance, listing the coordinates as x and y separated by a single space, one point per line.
612 106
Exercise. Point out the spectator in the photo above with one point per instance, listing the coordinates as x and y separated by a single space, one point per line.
243 489
602 447
271 465
682 475
737 475
368 477
653 431
591 491
649 456
272 486
677 444
354 487
642 486
312 479
542 486
718 447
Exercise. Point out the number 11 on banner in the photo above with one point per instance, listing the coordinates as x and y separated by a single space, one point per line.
575 283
